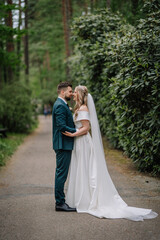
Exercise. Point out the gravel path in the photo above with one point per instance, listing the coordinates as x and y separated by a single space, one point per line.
27 206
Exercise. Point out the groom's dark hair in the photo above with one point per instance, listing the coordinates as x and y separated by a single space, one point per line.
63 85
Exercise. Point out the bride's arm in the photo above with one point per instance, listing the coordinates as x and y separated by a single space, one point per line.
83 130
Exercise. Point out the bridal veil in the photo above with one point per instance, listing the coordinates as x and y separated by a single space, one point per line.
105 201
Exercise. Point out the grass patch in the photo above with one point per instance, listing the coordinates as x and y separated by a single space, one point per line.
9 145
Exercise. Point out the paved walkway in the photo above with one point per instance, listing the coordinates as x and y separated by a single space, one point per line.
27 201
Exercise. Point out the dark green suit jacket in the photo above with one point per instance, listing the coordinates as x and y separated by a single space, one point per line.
62 120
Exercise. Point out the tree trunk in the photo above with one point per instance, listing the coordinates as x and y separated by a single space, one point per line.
19 39
91 2
134 6
1 77
9 43
26 53
1 66
85 7
108 3
65 25
66 12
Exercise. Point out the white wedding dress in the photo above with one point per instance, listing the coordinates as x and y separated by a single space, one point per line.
90 188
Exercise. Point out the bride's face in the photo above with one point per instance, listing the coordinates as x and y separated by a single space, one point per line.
75 95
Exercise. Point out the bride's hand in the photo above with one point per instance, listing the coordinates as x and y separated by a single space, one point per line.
68 134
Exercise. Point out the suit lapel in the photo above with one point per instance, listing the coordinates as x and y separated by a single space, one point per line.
61 101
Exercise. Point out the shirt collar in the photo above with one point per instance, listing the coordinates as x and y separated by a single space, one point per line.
63 100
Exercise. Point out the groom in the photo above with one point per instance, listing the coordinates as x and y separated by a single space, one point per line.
63 145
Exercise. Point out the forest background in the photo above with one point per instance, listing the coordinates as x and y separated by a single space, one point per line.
111 46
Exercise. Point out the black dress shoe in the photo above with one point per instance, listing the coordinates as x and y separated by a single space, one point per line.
65 208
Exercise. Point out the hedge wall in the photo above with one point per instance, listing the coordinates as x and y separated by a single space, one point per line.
120 64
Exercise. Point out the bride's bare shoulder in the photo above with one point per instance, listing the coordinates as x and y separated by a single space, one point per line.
83 108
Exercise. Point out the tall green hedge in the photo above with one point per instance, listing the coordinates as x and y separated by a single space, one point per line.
121 66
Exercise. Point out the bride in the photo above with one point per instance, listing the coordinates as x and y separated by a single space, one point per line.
90 188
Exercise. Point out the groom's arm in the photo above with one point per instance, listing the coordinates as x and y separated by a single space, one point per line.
60 113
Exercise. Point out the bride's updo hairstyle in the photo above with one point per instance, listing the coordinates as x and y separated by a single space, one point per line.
82 93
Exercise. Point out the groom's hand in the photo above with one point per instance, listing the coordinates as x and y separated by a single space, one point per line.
68 134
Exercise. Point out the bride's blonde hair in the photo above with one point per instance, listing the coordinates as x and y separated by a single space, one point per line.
82 98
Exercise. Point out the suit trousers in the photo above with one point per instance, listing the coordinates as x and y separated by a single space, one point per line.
63 158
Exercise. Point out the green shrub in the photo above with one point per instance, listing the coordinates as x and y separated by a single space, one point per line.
3 148
135 94
17 113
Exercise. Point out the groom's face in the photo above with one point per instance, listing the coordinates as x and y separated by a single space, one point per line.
68 94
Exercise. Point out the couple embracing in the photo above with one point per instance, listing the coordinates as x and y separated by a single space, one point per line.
90 188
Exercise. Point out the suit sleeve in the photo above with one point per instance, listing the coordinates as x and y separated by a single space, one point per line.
61 120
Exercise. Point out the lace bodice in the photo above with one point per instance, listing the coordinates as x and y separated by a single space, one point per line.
82 115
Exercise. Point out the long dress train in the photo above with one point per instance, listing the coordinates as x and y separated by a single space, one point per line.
90 188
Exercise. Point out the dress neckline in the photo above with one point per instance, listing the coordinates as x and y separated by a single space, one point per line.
82 111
